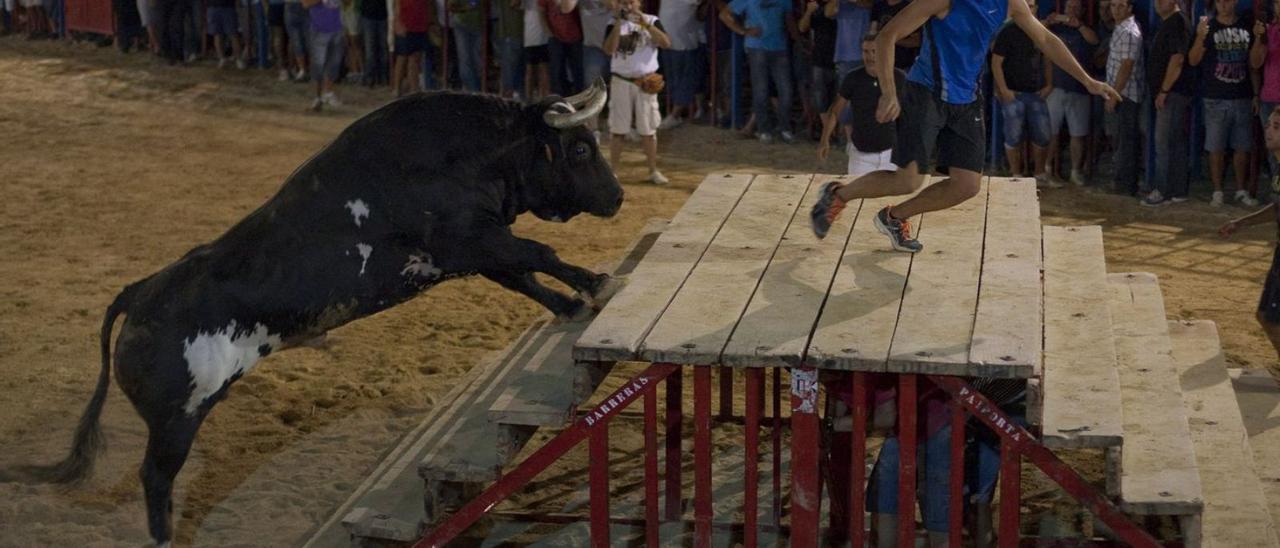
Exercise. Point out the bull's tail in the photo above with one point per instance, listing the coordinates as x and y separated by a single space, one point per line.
88 441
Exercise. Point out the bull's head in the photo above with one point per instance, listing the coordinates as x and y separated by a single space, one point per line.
575 177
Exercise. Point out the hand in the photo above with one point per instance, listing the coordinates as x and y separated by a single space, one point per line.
1103 90
1160 97
1202 28
811 6
888 110
824 144
1045 91
754 32
1111 104
1259 28
824 148
1074 22
1228 228
1005 96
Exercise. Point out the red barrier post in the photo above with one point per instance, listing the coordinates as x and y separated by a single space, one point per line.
598 474
651 469
751 481
1010 496
806 491
907 461
857 461
674 456
702 455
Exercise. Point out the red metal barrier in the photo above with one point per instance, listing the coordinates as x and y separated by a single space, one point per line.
93 16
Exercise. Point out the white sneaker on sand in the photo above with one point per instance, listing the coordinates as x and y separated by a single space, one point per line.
1216 201
241 64
1077 177
222 62
1244 198
1045 181
330 99
656 177
284 75
670 122
317 104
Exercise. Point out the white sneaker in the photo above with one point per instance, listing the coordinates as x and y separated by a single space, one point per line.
330 99
787 137
222 62
191 57
284 75
656 177
241 64
1217 199
1077 177
317 104
300 76
670 122
1044 181
1245 199
1178 199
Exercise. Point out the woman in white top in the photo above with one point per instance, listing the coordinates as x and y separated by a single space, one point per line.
633 41
537 76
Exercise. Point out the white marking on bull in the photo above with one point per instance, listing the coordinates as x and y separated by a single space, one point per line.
214 358
365 250
359 210
422 266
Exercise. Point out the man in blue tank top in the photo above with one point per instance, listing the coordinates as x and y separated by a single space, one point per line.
940 110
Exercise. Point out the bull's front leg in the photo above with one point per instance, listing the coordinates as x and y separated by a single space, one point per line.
519 254
562 306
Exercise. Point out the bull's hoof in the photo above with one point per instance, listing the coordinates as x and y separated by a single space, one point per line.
606 290
580 311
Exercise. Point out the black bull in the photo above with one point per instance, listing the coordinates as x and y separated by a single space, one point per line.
420 191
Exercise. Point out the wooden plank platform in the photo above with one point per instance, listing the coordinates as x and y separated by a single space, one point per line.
699 321
1235 510
1081 404
1258 396
1158 473
750 300
618 330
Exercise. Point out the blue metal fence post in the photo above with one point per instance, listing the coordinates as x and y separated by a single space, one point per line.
264 35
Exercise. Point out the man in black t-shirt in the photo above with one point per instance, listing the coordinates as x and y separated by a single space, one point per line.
906 50
870 144
1018 69
1221 50
1172 83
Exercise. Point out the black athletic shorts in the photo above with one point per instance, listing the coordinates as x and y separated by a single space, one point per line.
275 15
411 43
928 125
1269 304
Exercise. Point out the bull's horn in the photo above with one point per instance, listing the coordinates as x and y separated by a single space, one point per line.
589 103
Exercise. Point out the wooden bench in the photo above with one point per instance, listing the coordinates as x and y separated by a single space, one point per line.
1080 395
1258 397
1235 510
457 449
1157 473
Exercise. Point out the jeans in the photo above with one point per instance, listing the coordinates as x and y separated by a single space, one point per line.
511 55
297 22
823 86
1128 148
1172 176
469 46
374 34
565 66
193 24
170 15
769 66
682 74
595 64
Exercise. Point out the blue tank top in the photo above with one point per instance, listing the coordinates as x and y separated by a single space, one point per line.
951 51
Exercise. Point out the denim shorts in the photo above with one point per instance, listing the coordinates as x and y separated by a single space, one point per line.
297 22
1071 106
327 49
221 20
1025 116
1228 123
410 43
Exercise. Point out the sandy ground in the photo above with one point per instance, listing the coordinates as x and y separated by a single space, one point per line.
113 167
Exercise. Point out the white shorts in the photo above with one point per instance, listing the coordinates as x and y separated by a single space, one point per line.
862 163
627 103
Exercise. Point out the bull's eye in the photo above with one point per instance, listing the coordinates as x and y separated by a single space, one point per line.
581 152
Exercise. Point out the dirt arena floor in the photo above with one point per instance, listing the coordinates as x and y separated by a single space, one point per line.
113 166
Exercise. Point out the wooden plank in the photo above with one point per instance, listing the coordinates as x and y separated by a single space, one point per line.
1158 472
1008 329
1080 386
1235 510
776 328
617 331
935 325
541 390
695 327
1258 397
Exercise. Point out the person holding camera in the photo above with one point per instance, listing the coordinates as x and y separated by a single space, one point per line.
633 41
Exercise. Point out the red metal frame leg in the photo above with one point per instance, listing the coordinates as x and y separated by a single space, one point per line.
751 477
1022 442
955 506
1010 497
806 493
907 461
857 461
674 456
726 387
651 469
776 434
598 473
702 455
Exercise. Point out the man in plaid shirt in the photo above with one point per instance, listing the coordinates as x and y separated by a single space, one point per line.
1124 73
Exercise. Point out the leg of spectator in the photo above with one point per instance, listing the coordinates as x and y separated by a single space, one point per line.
1178 174
575 67
1127 149
556 61
759 70
1240 164
780 65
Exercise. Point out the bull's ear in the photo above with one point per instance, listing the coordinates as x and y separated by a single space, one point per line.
550 155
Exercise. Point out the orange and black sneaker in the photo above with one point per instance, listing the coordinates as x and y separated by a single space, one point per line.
827 210
898 231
